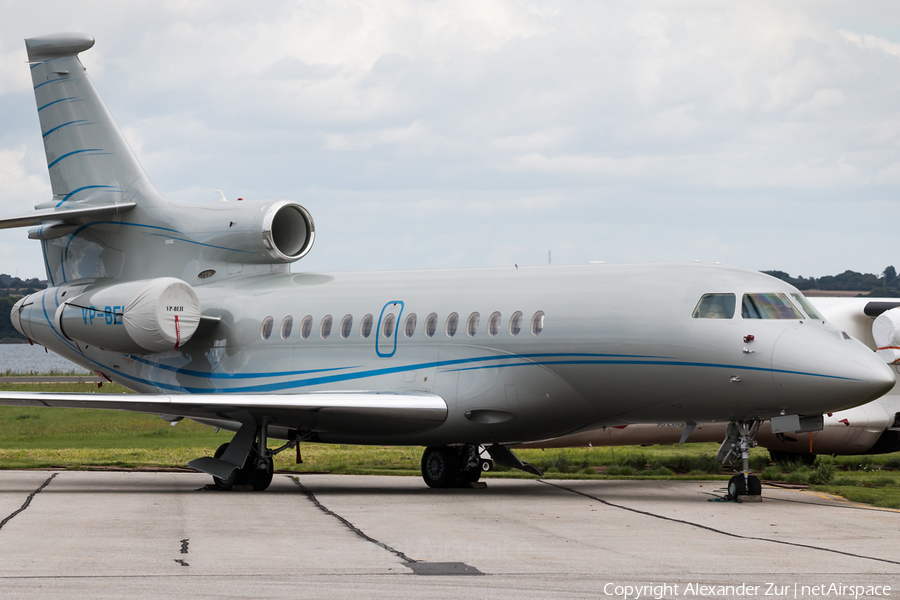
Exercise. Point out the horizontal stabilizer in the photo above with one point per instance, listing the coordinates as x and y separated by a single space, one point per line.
367 413
68 214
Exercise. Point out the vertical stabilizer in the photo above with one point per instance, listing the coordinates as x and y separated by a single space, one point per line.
87 155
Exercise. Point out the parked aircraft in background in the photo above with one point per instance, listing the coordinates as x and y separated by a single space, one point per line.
872 428
194 307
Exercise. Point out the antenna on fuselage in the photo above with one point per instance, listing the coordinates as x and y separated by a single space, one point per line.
221 194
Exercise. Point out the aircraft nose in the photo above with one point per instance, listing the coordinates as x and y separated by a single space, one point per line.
819 370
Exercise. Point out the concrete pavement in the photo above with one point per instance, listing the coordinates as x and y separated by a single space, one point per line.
148 535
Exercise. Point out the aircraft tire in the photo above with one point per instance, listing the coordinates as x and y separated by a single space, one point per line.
468 476
736 487
440 467
487 465
260 479
754 485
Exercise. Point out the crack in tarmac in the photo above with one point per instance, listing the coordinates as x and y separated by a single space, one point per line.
719 531
350 525
28 500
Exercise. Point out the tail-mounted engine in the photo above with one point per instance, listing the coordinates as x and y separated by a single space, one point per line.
251 232
138 317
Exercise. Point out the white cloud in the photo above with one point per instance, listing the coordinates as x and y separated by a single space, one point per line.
21 189
484 131
871 42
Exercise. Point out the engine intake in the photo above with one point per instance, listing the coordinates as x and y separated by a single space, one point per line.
288 231
250 232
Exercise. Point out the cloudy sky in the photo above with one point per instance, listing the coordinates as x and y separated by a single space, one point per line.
478 133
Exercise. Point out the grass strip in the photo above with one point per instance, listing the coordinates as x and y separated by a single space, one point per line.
90 439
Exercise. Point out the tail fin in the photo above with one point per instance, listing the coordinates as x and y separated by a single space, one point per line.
87 155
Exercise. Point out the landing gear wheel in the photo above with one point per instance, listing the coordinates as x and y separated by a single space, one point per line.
487 465
440 467
237 477
471 475
736 487
754 486
260 476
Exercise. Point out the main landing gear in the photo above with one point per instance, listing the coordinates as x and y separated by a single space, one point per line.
451 466
739 438
461 466
244 461
257 471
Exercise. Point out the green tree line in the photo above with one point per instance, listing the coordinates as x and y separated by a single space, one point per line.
885 285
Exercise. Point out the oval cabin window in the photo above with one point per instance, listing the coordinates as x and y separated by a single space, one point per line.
537 323
306 327
325 327
286 327
515 323
346 326
431 325
409 328
265 331
365 326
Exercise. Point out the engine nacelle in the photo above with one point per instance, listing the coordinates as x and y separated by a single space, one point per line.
251 232
138 317
886 333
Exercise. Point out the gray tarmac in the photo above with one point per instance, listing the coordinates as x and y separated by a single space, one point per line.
156 535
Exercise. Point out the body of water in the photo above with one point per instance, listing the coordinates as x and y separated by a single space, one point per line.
25 358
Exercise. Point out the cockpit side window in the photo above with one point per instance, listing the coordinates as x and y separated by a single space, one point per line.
768 306
807 307
715 306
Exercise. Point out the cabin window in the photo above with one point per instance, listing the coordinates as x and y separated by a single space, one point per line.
472 324
365 326
715 306
768 306
807 307
346 326
387 325
306 327
266 330
430 324
451 325
494 324
410 327
515 323
286 327
325 327
537 323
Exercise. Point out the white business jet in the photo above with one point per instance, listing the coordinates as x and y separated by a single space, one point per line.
872 428
194 308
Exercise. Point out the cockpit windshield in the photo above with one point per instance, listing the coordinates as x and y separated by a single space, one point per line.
715 306
768 306
807 307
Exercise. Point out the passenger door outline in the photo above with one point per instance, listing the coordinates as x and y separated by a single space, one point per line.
382 343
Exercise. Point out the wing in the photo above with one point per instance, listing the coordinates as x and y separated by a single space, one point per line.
363 413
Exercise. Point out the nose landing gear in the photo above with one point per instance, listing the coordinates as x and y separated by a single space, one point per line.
739 438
